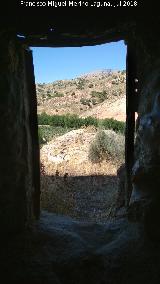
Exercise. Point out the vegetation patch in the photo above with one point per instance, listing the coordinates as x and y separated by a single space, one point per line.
57 95
81 84
100 96
46 133
107 146
84 101
73 121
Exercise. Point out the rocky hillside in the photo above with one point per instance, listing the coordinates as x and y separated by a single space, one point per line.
99 94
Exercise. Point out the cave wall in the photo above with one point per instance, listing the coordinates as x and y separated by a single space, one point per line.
17 178
145 199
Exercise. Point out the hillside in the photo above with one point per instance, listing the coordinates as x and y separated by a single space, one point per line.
99 94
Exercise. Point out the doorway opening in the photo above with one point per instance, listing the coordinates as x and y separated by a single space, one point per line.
81 117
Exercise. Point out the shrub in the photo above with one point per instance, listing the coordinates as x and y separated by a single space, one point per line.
57 95
90 120
97 148
107 145
84 101
73 121
44 119
41 136
80 84
47 133
100 96
117 126
94 101
123 72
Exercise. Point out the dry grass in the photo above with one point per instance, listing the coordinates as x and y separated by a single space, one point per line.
83 197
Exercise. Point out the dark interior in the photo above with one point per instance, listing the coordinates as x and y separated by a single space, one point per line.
32 249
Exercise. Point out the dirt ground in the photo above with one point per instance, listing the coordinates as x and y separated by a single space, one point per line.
85 198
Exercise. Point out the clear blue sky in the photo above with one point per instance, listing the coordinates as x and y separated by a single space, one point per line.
52 64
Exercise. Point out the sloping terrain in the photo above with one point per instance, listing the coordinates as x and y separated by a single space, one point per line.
100 94
109 109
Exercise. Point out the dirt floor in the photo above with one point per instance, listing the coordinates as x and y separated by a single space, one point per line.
61 250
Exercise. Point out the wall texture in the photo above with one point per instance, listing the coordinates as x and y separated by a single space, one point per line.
145 199
17 183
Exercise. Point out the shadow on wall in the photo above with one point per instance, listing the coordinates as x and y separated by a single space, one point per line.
90 198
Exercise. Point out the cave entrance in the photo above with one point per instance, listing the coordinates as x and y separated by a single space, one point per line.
68 187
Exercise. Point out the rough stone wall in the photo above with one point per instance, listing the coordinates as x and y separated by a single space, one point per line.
145 199
16 153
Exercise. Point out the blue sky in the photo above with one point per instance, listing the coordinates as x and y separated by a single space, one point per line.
52 64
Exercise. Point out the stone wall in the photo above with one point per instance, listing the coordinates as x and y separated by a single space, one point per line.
145 199
17 183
